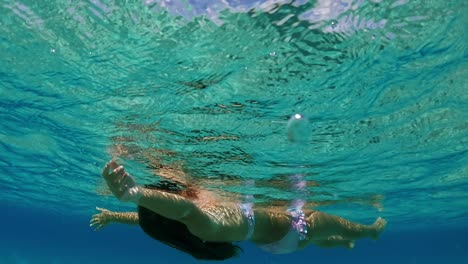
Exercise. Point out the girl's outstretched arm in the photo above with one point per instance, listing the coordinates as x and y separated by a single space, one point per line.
124 187
106 217
210 223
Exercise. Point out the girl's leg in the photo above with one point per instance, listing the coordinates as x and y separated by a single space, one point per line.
322 226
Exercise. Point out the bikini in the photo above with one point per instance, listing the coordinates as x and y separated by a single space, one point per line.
290 242
247 210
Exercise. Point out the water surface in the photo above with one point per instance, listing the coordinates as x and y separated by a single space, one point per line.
208 87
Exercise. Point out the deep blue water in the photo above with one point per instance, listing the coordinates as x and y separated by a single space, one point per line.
206 89
36 236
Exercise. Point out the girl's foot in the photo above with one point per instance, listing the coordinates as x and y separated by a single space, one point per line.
378 226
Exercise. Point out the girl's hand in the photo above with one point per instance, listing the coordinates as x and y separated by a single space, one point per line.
100 220
121 184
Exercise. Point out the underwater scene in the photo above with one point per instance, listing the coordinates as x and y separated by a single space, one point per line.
355 108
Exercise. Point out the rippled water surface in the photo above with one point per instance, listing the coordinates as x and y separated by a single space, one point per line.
207 88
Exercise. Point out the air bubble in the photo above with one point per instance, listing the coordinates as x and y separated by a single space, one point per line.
298 128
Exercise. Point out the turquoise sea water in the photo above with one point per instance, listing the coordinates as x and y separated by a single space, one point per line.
207 88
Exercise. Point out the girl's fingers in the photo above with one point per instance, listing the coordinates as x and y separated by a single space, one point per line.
116 175
105 171
101 209
113 179
113 165
117 171
120 174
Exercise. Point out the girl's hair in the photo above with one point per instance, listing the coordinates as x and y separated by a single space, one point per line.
176 234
